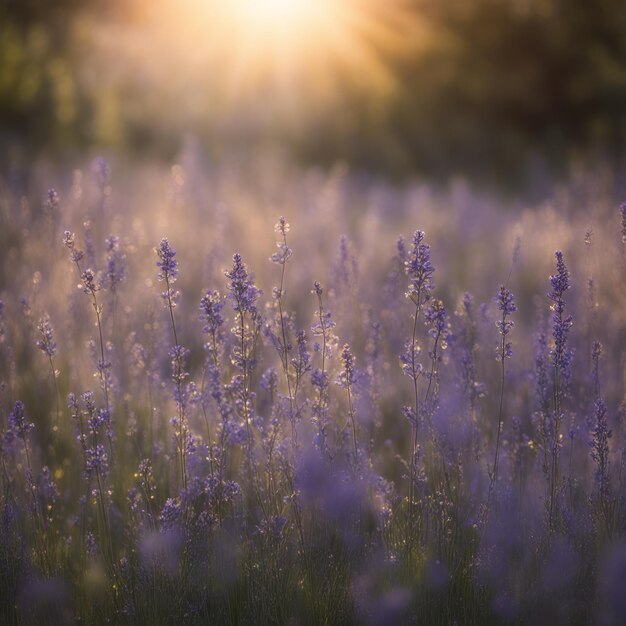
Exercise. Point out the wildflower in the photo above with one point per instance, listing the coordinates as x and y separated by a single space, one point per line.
600 450
51 203
47 486
167 263
408 359
96 461
170 514
282 226
46 344
285 252
269 381
347 378
89 282
561 357
210 307
168 267
17 421
302 363
596 352
116 269
319 378
69 240
420 270
437 317
506 304
242 289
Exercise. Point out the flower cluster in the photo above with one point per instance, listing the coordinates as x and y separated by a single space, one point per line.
211 306
347 376
506 305
18 424
168 267
561 324
69 240
241 290
46 343
115 263
284 251
420 270
51 203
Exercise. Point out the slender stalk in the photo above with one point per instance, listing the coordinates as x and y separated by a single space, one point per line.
416 400
182 427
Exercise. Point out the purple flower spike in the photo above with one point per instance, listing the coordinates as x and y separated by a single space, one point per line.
167 263
17 421
420 270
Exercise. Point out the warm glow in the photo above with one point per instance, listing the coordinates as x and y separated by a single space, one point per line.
282 36
251 58
277 15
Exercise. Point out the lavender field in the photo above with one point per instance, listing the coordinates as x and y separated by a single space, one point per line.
393 405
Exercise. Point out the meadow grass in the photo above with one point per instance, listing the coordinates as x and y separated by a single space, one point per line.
389 406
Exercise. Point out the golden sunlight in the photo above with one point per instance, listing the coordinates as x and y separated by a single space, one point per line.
286 56
278 15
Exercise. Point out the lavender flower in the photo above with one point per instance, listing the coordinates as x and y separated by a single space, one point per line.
408 360
319 378
116 263
47 486
51 203
269 381
168 267
170 514
622 210
561 362
210 307
596 352
242 289
69 240
96 461
90 287
302 363
46 343
437 317
420 270
561 357
347 377
506 304
284 251
17 421
600 451
167 263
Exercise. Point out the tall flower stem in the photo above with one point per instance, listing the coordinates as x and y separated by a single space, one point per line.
168 267
561 362
420 271
91 288
506 305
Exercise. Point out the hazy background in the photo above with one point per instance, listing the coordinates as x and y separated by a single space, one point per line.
506 92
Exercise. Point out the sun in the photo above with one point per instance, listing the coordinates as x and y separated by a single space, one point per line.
246 57
290 26
278 14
